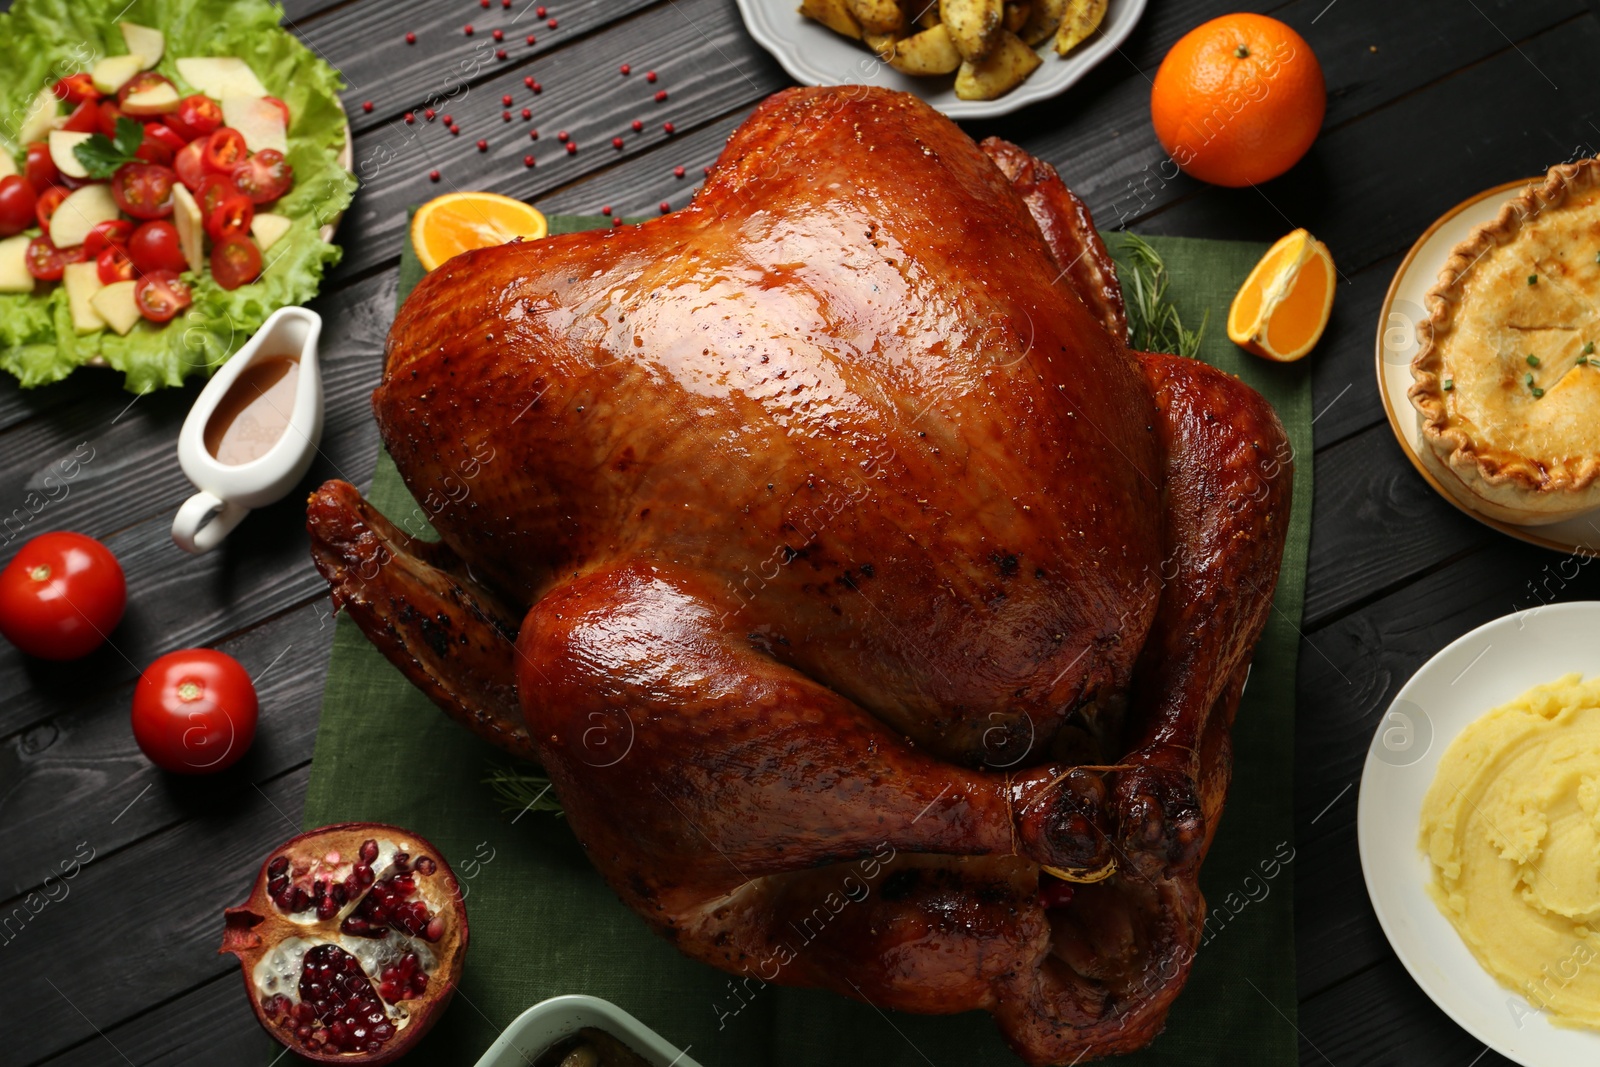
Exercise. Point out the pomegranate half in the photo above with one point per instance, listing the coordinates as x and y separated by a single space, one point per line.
351 942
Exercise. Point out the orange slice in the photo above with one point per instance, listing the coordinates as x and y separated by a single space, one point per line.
1282 308
449 225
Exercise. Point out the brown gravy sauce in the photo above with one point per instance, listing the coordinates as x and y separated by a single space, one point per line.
253 413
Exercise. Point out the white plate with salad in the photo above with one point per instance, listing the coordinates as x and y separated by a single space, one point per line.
170 174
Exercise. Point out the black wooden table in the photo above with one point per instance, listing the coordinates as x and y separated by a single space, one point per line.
1429 102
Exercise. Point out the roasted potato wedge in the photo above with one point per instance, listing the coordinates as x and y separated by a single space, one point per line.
878 16
834 14
974 25
1081 18
882 44
1008 63
928 52
1044 18
1017 14
924 13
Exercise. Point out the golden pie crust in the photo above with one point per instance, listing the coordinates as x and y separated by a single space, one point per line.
1506 381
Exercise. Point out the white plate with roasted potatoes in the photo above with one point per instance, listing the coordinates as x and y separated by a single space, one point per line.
968 58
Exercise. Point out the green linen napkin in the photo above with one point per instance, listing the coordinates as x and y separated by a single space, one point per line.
543 923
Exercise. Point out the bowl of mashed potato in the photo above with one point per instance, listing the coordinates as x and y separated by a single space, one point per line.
1479 829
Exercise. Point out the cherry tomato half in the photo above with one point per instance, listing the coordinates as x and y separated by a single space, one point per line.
143 190
85 118
264 177
225 149
61 595
45 261
197 116
281 106
235 261
18 205
230 218
190 164
76 88
113 265
45 209
141 83
214 189
155 247
109 113
40 170
160 145
161 295
104 234
195 711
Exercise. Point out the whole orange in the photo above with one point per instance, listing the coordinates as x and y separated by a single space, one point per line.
1238 100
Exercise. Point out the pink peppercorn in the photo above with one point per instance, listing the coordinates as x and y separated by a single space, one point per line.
366 105
668 127
506 100
528 81
448 120
428 114
563 136
506 115
677 172
499 35
665 207
606 210
638 126
410 118
433 175
455 130
411 38
538 88
539 12
661 96
499 53
532 39
572 148
526 114
483 146
626 70
551 24
616 142
527 161
467 29
650 76
616 223
533 135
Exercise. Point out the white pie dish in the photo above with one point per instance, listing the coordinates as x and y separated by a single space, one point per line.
1490 666
548 1021
815 55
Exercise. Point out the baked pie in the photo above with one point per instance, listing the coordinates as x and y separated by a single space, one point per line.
1507 376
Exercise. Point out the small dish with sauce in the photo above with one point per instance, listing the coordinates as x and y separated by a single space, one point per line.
252 434
581 1031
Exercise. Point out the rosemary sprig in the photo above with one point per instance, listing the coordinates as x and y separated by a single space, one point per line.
1153 322
521 789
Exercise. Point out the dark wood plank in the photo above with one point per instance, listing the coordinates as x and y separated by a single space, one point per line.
141 926
1343 378
86 762
209 1025
1381 1018
174 599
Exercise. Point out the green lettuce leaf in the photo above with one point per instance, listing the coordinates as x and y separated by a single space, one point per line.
44 40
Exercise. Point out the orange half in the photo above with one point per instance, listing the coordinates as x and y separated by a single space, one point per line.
1281 310
449 225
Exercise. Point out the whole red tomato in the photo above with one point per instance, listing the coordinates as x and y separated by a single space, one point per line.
194 711
61 595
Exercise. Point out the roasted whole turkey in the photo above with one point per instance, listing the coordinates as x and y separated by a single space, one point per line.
878 615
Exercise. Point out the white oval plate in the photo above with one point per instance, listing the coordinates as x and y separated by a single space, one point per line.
1493 664
1403 308
815 55
532 1033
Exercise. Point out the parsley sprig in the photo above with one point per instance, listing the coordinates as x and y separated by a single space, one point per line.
102 156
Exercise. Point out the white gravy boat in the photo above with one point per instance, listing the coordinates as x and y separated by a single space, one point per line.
266 437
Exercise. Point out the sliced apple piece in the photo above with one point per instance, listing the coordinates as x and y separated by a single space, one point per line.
61 145
268 229
191 229
14 276
83 282
39 118
222 76
8 166
144 41
115 304
161 99
259 121
81 212
113 72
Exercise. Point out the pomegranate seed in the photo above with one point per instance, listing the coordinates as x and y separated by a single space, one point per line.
456 130
435 928
448 121
667 127
411 118
366 105
506 4
708 172
533 135
552 24
506 100
677 172
616 142
506 115
538 88
467 29
606 210
572 148
402 861
433 175
650 76
527 161
615 223
626 70
338 1005
665 207
661 96
411 38
428 114
526 114
532 39
563 136
539 12
638 127
528 81
499 35
278 866
483 3
500 53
